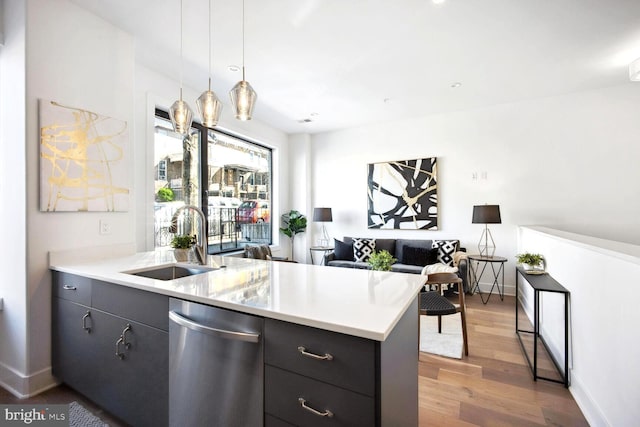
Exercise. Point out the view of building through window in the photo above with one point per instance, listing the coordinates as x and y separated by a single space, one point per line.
233 189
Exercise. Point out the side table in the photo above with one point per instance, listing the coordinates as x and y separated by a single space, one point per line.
497 267
323 249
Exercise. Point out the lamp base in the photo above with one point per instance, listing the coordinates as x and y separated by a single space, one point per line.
486 245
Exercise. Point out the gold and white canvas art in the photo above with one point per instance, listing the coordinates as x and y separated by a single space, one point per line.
83 164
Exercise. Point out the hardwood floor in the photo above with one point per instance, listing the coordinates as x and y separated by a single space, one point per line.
491 387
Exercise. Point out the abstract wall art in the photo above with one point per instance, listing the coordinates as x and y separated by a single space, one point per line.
403 195
83 164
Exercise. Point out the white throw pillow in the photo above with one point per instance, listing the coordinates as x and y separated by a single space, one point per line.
438 268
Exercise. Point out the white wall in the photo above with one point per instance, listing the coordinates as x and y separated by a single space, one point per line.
300 196
601 276
569 162
80 60
13 318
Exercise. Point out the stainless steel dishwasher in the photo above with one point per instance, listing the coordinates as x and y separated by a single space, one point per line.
216 370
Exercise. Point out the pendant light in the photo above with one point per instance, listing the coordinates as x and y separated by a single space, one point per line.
180 113
243 97
208 104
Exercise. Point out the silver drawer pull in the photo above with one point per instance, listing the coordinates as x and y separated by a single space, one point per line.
127 345
304 352
326 413
84 322
118 354
69 288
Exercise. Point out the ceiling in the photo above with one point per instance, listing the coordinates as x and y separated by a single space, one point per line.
345 63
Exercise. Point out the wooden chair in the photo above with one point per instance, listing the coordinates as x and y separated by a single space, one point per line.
433 303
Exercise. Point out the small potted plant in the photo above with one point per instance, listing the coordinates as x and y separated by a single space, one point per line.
182 244
531 263
381 260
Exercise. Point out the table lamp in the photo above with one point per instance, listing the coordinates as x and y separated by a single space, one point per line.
323 215
486 214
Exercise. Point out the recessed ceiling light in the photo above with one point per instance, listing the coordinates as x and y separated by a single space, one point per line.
456 84
315 114
233 68
437 1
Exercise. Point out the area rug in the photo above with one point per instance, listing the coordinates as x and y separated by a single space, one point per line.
79 416
448 343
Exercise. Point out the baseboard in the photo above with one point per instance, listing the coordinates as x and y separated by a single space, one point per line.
590 409
24 386
508 289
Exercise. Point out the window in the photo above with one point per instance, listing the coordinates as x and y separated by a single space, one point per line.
162 170
229 178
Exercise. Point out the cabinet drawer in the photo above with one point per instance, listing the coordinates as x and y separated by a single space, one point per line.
270 421
283 391
353 359
71 287
145 307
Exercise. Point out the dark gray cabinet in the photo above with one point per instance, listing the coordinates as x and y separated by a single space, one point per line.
111 343
315 377
102 348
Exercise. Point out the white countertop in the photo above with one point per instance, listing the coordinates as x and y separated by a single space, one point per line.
362 303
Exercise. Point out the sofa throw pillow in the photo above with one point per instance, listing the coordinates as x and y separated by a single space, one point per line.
446 249
363 248
342 251
419 256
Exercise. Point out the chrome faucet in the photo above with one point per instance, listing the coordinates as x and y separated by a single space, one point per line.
201 248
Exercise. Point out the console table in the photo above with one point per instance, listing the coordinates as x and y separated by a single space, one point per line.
543 283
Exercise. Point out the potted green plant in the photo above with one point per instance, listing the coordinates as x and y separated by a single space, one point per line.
381 260
531 262
294 223
182 244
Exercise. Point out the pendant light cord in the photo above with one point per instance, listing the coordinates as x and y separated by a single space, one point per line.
181 61
243 40
210 44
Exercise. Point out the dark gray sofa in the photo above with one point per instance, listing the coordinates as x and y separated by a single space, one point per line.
396 247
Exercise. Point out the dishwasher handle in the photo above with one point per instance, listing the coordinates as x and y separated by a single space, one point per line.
221 333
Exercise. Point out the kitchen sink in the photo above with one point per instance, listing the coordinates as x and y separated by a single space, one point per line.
170 272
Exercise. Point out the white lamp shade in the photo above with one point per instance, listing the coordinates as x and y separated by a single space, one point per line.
243 99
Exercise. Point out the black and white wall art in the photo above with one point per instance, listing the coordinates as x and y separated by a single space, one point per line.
403 195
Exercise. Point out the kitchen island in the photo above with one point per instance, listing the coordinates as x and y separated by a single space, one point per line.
341 309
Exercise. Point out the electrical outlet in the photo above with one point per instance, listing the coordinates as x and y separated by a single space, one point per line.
105 227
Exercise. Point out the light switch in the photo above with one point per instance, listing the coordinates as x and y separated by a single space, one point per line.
105 227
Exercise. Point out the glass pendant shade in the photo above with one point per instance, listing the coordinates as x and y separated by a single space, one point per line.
243 99
181 116
209 107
